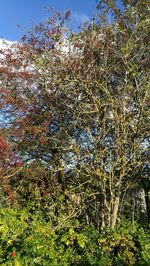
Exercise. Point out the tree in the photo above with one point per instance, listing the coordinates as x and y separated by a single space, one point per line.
82 114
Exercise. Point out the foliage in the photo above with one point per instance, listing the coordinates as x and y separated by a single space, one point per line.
74 145
30 240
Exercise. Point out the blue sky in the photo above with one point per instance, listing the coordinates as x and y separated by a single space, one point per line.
29 12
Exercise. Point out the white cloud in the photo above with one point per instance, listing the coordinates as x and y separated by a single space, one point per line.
4 44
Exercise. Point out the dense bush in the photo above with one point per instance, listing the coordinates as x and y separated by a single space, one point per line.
29 240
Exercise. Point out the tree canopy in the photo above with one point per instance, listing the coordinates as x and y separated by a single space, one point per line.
75 139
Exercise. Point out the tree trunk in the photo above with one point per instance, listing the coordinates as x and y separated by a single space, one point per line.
146 187
115 211
147 200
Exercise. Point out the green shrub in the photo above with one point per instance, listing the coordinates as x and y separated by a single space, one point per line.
28 239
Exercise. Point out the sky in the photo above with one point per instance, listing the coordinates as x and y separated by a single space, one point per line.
27 13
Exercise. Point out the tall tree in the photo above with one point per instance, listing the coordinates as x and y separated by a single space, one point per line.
83 113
